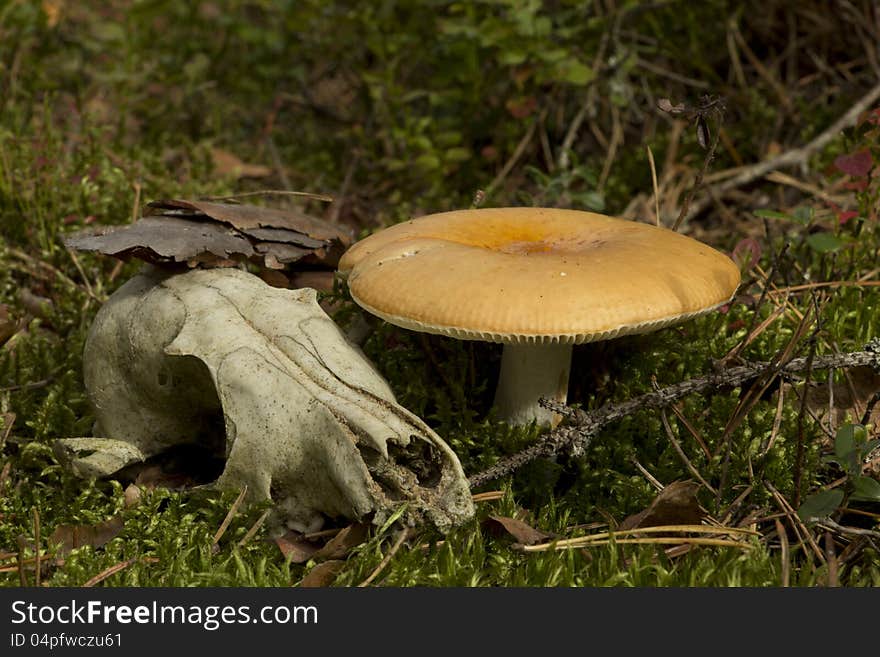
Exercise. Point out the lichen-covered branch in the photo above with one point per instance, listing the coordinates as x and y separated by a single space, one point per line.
575 435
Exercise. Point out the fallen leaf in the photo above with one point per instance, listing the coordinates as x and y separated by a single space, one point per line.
318 280
323 574
8 326
296 547
228 164
244 217
163 240
218 235
851 397
344 542
156 475
36 305
674 505
132 495
522 532
858 164
70 537
53 10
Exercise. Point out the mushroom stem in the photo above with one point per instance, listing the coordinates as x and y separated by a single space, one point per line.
529 372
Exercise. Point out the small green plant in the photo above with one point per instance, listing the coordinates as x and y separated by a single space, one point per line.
851 449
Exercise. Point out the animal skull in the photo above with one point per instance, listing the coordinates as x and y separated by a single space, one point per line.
309 423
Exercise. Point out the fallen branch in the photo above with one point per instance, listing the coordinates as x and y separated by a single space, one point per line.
575 436
790 158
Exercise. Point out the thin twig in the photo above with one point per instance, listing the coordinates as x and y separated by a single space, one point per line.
854 531
655 186
271 192
831 557
229 516
517 153
37 541
698 181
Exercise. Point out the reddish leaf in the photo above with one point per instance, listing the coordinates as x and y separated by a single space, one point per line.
674 505
521 531
323 574
747 252
70 537
344 542
846 215
858 164
229 164
296 547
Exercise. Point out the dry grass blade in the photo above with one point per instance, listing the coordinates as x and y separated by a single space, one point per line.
678 450
404 533
804 535
657 540
785 557
229 516
655 186
37 541
604 537
831 557
488 496
254 528
112 570
271 192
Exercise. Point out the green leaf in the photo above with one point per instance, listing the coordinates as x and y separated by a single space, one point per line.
848 438
824 242
575 72
849 443
820 505
803 214
866 489
457 154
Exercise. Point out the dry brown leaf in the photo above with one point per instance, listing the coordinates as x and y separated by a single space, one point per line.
8 326
245 217
132 495
228 164
163 240
522 532
674 505
849 402
53 10
318 280
69 537
296 547
344 542
218 235
158 475
323 574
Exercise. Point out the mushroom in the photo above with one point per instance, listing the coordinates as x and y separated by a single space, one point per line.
538 280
